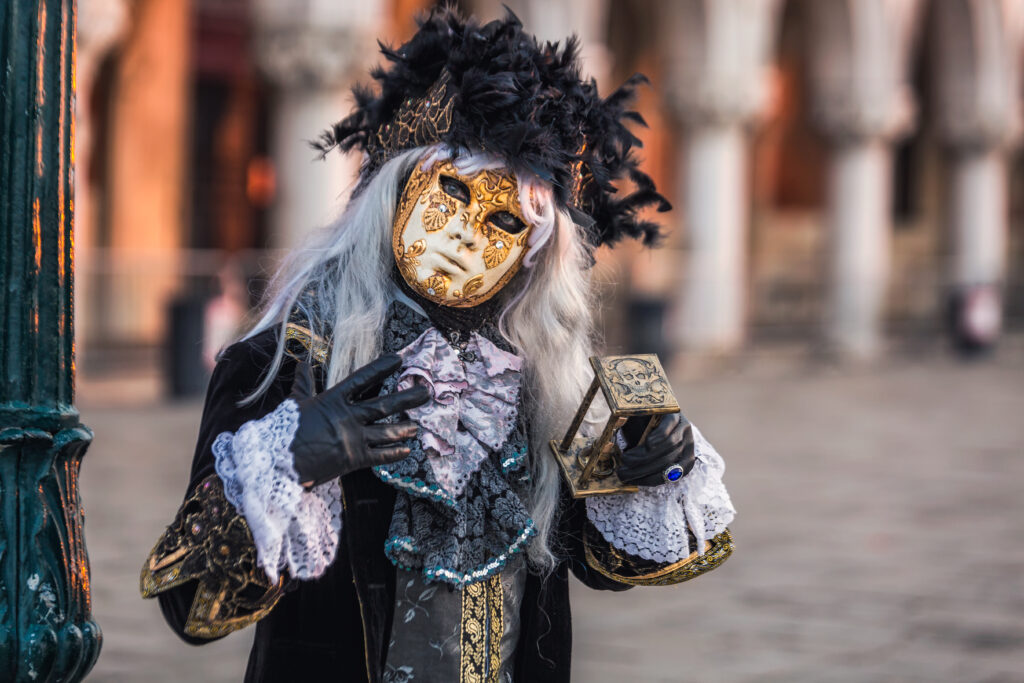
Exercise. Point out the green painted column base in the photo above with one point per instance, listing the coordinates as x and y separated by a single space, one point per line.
44 576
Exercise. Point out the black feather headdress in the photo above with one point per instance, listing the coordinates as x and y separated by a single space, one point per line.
494 88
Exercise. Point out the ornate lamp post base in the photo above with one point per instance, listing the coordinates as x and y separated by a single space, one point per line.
47 632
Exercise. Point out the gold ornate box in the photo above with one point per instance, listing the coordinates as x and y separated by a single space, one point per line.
632 386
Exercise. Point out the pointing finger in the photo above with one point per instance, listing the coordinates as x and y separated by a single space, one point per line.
382 406
370 374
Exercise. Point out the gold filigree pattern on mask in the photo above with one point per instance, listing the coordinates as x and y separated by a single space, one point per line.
440 210
417 183
473 285
407 264
497 192
497 250
436 286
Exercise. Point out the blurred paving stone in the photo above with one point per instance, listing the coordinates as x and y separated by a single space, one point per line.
880 536
881 514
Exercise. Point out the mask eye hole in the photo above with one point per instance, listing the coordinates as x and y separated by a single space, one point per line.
503 220
455 188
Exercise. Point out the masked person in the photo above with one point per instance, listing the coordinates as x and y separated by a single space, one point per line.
372 484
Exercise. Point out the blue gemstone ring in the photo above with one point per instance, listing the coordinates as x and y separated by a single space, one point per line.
673 473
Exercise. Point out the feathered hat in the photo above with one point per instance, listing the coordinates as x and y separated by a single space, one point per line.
494 88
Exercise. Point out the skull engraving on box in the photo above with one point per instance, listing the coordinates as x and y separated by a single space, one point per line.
638 380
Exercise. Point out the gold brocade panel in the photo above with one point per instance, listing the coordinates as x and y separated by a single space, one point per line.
482 627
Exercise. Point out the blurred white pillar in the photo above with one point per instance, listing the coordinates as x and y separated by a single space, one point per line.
312 52
977 215
714 184
719 51
859 244
976 58
310 192
861 99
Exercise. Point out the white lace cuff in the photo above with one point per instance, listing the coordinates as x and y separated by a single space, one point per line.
652 523
293 528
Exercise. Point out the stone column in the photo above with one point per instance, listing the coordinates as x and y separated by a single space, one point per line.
312 52
976 62
46 628
146 174
719 51
861 100
101 25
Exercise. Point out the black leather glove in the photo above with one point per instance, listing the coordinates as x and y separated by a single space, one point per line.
336 434
670 443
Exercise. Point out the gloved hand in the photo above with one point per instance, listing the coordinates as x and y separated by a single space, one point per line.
336 434
670 443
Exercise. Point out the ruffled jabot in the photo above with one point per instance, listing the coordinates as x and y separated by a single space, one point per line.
473 406
459 514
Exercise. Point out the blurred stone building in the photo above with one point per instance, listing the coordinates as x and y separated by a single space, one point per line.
843 171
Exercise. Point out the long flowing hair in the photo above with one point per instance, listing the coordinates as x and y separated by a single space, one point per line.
343 273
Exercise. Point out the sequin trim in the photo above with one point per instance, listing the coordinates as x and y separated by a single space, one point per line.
460 579
514 461
416 487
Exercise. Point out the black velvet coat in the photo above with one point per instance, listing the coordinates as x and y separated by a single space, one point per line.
337 627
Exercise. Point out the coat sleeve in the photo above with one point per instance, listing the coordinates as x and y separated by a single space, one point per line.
600 565
574 532
659 535
203 569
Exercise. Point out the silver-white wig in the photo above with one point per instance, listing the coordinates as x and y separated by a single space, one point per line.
345 269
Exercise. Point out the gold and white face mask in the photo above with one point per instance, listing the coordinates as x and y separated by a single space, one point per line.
458 239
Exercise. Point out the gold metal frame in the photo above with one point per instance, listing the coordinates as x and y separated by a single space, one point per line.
589 464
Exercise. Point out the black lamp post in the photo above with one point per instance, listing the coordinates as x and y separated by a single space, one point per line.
46 627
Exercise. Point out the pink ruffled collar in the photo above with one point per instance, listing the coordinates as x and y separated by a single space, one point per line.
480 396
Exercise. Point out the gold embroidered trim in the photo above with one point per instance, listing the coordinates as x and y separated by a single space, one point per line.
209 542
618 566
483 625
316 345
418 122
496 608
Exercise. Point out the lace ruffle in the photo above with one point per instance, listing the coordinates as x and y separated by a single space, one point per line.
652 523
292 528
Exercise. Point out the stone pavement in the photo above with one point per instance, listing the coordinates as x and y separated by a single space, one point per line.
880 534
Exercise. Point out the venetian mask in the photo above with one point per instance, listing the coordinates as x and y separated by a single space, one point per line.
458 239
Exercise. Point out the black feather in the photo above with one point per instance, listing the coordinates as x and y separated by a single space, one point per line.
520 100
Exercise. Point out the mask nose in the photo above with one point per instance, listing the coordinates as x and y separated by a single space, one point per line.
464 229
